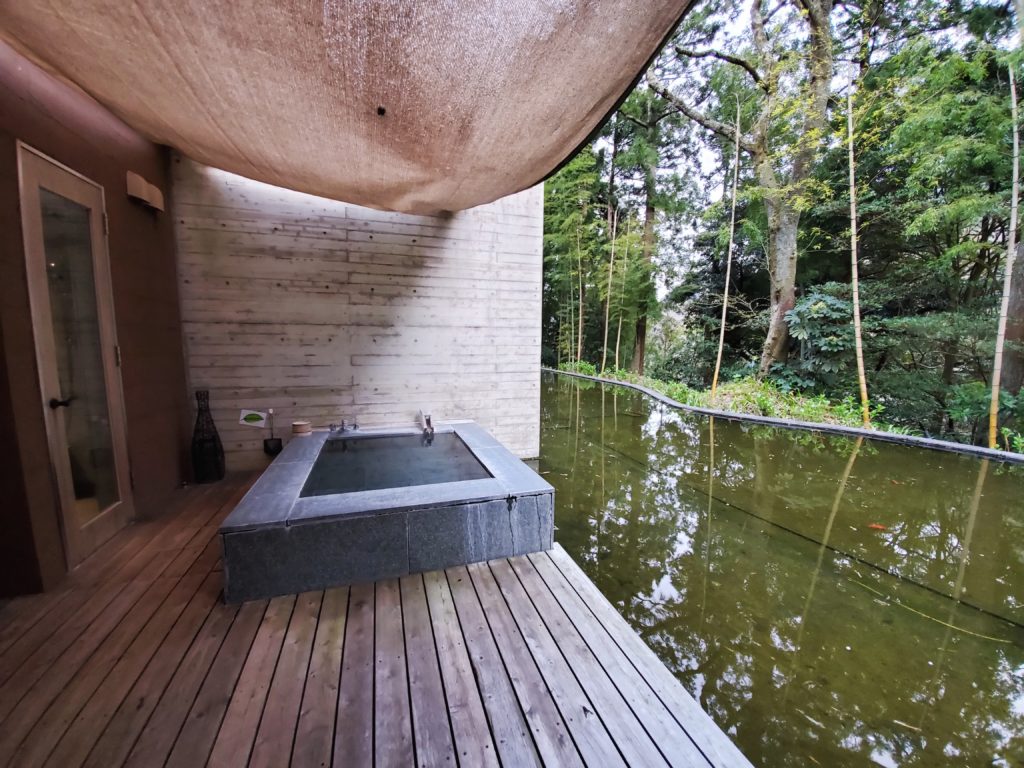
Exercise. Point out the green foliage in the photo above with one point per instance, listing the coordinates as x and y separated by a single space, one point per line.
1012 441
751 396
821 321
968 406
579 366
933 152
682 351
572 244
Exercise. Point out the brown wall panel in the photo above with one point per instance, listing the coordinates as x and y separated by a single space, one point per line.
73 129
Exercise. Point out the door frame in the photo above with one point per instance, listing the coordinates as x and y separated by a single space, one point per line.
37 169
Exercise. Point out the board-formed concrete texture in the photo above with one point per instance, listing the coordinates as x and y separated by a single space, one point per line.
323 310
277 542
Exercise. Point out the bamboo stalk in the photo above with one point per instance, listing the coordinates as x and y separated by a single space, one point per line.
622 292
579 329
728 255
608 301
571 341
854 278
1004 307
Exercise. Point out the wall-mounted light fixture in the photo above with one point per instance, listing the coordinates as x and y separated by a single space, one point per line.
144 192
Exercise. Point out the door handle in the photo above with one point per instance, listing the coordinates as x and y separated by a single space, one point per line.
55 403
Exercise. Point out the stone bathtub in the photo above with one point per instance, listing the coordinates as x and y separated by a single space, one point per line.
375 504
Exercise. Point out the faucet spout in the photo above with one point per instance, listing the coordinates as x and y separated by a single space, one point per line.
334 430
428 427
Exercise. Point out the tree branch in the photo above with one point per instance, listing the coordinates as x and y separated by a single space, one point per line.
758 33
715 126
726 57
634 120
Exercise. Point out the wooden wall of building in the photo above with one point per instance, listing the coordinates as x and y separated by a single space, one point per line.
324 310
70 127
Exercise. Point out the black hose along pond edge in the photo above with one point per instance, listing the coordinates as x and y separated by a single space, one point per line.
810 426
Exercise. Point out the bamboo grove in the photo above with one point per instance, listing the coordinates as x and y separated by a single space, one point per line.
869 249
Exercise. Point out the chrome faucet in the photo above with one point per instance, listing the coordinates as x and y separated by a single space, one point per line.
340 429
428 428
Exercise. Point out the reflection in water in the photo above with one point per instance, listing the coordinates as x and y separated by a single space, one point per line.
822 549
801 586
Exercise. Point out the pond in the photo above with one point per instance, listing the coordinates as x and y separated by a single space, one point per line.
801 586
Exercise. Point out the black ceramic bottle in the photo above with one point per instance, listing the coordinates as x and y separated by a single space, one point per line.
207 451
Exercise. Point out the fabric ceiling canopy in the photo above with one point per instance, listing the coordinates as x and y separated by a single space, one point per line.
403 105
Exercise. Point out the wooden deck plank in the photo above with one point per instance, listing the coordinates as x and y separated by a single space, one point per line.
245 709
93 652
276 735
122 731
614 709
353 731
198 732
550 732
470 729
518 662
42 642
31 688
581 713
314 734
125 692
115 627
125 564
167 595
106 560
158 736
667 734
711 741
512 734
432 733
392 714
23 613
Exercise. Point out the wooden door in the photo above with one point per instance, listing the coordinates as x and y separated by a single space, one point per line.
63 223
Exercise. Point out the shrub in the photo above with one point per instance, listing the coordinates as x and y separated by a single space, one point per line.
580 366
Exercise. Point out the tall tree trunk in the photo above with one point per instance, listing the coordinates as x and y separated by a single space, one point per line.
1013 354
782 190
1011 251
640 341
783 223
783 216
640 345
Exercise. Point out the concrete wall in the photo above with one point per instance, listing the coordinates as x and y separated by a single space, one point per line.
326 311
67 125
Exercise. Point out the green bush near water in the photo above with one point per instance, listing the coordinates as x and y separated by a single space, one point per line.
748 395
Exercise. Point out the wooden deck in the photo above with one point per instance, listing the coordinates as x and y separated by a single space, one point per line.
136 661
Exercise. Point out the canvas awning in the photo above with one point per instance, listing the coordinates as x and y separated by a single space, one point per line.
403 105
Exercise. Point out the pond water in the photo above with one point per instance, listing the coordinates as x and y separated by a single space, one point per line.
801 586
